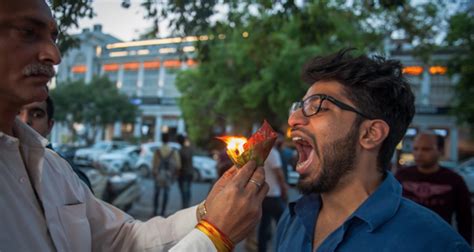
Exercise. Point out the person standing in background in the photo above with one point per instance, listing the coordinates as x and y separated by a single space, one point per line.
40 117
436 187
185 174
166 163
274 203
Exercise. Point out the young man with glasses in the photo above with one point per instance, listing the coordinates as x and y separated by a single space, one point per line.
345 129
44 205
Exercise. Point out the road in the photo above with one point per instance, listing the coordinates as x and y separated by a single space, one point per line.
143 209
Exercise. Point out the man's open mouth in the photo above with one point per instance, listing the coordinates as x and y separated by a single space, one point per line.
305 153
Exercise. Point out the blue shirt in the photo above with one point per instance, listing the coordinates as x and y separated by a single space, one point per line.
384 222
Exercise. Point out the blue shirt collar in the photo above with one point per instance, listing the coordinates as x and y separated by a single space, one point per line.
375 210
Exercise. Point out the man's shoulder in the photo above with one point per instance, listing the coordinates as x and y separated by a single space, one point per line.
449 173
416 222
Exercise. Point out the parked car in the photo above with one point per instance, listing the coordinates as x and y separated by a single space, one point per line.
205 168
466 170
66 151
87 156
120 160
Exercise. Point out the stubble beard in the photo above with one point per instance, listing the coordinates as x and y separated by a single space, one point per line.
337 161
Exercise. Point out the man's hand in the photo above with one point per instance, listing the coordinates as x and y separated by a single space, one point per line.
234 204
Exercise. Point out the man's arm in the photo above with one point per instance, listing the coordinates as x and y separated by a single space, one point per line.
463 210
113 230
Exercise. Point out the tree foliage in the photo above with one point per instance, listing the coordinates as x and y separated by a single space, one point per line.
241 80
96 104
67 14
244 78
253 74
460 35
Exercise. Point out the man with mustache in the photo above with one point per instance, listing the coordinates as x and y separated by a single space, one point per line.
45 207
346 128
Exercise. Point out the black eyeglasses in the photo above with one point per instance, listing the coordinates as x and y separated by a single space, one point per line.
312 105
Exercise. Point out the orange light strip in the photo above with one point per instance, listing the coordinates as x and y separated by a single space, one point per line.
438 70
131 66
151 65
412 70
79 69
191 62
172 63
110 67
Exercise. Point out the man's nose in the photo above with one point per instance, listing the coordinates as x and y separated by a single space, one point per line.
49 53
297 118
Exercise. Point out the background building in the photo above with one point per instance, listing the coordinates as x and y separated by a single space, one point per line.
144 70
434 90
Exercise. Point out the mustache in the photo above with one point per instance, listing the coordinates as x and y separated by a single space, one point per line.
39 69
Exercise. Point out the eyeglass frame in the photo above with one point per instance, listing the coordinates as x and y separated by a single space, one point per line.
300 105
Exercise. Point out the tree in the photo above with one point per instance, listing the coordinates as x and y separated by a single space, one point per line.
253 74
460 35
80 103
67 14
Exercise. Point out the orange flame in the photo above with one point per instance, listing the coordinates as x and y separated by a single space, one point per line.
234 144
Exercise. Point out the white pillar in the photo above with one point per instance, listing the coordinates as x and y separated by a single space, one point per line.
181 127
425 86
117 129
54 133
140 79
161 80
120 74
137 127
158 122
453 143
99 135
90 53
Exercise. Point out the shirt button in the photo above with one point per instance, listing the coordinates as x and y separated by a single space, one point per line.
22 180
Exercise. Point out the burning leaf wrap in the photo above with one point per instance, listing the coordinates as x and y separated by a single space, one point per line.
256 148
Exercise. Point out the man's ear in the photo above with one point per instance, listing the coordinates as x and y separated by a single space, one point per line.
374 133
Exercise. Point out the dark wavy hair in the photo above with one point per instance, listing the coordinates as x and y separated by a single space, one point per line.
377 88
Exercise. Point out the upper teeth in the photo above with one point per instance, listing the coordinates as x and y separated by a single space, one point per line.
297 138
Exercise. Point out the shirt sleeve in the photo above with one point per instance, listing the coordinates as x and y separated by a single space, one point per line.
195 241
114 230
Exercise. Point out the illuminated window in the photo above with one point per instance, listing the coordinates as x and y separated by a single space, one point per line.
79 69
110 67
172 63
191 62
438 70
151 65
131 66
412 70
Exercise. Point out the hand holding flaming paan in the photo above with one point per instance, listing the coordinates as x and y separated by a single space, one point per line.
257 147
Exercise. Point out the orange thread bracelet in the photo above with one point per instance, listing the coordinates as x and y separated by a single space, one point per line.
219 239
